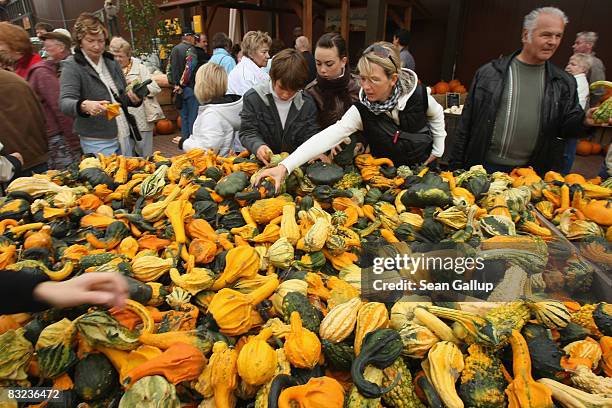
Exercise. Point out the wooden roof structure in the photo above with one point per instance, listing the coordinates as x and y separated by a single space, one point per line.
401 11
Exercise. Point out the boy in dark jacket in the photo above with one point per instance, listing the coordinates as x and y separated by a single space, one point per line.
277 116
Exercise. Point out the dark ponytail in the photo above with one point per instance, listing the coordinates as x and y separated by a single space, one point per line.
331 40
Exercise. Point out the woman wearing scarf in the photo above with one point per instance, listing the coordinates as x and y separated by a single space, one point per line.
335 89
91 81
398 117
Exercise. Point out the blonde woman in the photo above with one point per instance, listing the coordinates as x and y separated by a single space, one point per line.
91 79
218 121
398 117
135 73
250 71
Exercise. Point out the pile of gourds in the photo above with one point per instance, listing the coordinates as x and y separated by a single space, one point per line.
240 295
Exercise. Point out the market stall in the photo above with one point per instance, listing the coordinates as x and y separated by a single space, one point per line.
239 295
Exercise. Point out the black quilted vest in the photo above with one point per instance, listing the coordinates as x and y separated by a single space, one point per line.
413 142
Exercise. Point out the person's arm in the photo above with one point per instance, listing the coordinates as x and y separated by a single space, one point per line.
435 117
153 87
10 165
70 92
250 136
47 87
462 133
207 133
16 292
310 116
572 120
324 140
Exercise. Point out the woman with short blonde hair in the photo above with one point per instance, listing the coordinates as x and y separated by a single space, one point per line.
400 120
150 111
218 121
251 69
91 81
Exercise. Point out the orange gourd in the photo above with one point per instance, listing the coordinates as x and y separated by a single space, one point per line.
441 87
203 250
606 349
39 239
89 202
164 127
321 392
584 148
180 362
152 242
595 148
574 178
302 347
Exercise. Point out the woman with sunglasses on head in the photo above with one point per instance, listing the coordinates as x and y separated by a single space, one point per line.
335 89
398 117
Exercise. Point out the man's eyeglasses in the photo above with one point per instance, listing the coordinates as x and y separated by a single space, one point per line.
380 52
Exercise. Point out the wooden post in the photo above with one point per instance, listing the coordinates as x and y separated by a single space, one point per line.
453 38
376 21
408 18
344 19
307 19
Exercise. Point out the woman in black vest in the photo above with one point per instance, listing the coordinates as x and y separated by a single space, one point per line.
398 117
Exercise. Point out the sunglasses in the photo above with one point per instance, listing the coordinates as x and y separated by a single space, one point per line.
380 52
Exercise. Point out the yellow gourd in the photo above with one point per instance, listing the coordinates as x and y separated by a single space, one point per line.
257 359
302 347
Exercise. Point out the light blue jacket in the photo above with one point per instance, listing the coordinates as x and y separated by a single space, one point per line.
222 57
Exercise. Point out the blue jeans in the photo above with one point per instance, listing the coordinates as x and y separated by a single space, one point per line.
569 155
189 112
104 146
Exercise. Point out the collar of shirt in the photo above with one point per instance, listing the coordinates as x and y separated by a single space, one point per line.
99 67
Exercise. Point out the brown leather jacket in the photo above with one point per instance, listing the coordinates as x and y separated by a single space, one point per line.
23 121
334 97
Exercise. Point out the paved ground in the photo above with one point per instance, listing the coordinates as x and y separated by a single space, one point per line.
587 166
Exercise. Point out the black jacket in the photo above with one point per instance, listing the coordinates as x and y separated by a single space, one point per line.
561 116
16 292
260 123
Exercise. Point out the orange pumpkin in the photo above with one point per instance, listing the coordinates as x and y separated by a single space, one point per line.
584 147
595 148
459 89
442 87
164 127
454 83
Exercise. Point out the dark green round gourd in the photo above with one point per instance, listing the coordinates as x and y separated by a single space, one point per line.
14 209
232 183
206 210
372 196
21 195
571 333
323 173
388 171
388 196
345 157
139 291
404 232
544 352
33 329
380 348
202 194
214 173
306 203
206 183
295 301
602 315
338 356
95 176
430 393
94 377
232 219
362 223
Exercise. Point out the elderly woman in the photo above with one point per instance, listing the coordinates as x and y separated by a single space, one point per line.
218 121
91 80
42 77
250 71
150 111
398 117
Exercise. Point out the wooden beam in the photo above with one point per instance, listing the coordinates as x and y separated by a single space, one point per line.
209 19
307 20
376 21
408 18
345 6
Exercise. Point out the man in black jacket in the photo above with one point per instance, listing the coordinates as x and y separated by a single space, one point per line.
521 107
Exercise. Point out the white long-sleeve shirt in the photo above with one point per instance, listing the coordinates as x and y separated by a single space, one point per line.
351 122
583 89
244 76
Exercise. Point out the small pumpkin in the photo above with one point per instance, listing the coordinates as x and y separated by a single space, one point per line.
302 347
164 127
257 359
321 392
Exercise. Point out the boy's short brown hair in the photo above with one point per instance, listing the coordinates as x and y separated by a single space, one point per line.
290 68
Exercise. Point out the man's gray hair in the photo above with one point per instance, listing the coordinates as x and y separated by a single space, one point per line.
588 36
529 23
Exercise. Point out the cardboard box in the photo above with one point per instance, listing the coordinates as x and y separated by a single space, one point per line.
165 97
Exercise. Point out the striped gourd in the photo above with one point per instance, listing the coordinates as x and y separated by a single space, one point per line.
340 321
551 314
